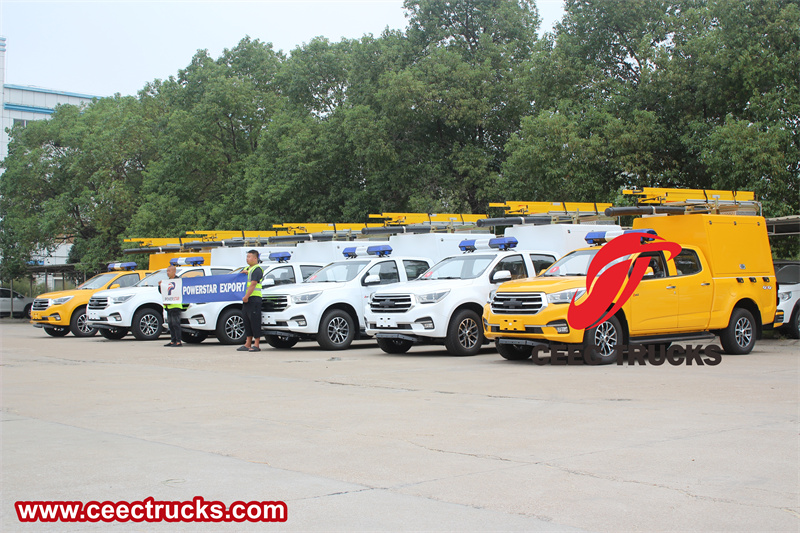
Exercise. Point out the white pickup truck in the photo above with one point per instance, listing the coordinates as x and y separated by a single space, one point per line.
224 319
329 305
444 306
116 311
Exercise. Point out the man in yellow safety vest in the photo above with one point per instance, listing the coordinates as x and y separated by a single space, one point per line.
251 304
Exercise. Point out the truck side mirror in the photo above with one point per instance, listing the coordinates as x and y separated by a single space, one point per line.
114 286
269 282
372 279
501 276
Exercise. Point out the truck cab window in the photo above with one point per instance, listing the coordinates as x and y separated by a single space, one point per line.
687 263
514 264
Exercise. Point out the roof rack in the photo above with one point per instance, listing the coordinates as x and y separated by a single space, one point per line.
689 201
540 213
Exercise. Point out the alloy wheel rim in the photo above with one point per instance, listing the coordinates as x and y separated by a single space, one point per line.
743 332
234 327
338 330
83 324
468 333
149 324
605 337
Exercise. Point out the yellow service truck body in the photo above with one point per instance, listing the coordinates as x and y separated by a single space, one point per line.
722 283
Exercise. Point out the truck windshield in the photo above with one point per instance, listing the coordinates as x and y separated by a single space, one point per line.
577 264
459 267
97 282
338 272
153 279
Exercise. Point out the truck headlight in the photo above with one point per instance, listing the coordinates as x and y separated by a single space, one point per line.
62 300
491 296
784 296
565 297
432 297
305 297
120 299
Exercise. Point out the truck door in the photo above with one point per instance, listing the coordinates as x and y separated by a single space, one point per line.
695 291
654 304
387 272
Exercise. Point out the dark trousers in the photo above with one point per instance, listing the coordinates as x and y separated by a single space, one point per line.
252 317
174 323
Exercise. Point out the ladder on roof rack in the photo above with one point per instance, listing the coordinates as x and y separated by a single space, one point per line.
688 201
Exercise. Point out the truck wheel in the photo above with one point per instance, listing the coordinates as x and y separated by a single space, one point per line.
282 342
193 337
740 335
337 330
230 327
114 334
464 334
146 325
27 311
604 341
395 345
79 324
56 331
794 324
514 352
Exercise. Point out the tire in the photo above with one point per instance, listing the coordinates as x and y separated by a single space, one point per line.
114 334
464 334
282 342
514 352
56 331
337 329
79 324
230 327
147 324
609 337
794 325
395 345
27 312
193 337
740 335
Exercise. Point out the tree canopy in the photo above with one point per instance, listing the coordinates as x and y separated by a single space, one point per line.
466 106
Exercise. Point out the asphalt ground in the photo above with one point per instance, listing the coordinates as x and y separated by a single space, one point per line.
362 440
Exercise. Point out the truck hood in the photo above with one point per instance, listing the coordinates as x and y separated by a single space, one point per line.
125 291
547 285
425 286
300 288
60 294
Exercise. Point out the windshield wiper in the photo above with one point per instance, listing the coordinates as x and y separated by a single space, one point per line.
448 277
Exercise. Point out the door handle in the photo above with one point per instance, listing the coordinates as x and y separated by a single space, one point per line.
670 287
705 284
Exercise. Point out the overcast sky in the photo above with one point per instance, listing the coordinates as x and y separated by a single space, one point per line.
104 47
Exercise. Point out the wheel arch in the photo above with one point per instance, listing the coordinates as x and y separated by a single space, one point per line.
347 308
750 305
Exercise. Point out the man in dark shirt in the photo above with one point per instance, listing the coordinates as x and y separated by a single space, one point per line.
251 304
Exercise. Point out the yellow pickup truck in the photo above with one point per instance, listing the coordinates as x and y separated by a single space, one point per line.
64 311
722 282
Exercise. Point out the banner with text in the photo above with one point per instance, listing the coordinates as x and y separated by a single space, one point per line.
203 289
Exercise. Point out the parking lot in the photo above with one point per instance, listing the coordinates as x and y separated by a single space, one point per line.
363 440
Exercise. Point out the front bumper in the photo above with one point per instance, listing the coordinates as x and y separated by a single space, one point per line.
420 321
55 315
547 326
113 316
297 319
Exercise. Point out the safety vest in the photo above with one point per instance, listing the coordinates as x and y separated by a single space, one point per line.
257 290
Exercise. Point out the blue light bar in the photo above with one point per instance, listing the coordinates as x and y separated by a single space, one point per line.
595 237
280 257
180 261
350 252
121 266
646 232
503 243
382 250
467 245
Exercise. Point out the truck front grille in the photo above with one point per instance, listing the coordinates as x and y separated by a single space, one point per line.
40 304
395 303
517 303
98 303
274 303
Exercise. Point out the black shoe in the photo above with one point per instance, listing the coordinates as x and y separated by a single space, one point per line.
170 344
242 349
